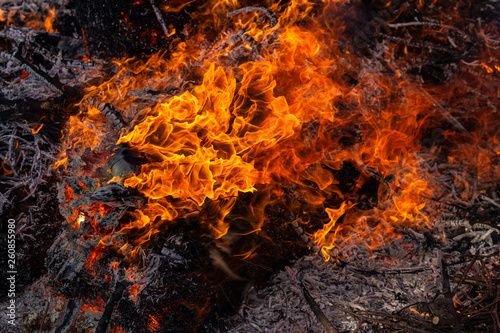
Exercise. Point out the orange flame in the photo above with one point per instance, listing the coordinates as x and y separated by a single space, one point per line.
49 21
285 117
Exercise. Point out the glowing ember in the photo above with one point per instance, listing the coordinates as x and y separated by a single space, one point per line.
254 136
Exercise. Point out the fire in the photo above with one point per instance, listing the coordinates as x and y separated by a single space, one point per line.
49 21
296 110
153 323
36 21
134 292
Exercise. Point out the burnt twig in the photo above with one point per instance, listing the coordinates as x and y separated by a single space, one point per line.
495 312
313 305
32 69
402 325
27 157
464 276
44 316
396 271
159 17
296 325
491 201
113 116
431 24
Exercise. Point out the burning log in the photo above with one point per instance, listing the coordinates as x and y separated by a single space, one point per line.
114 116
160 18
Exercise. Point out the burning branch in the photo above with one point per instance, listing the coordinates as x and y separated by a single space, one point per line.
273 20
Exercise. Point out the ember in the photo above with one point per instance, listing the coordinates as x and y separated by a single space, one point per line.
165 161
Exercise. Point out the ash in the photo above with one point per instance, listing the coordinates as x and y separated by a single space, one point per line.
358 292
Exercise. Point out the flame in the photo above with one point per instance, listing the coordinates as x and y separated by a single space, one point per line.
79 221
323 237
33 20
63 160
49 21
6 170
285 117
134 291
420 314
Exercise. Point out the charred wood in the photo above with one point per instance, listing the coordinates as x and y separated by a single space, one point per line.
53 82
113 116
67 320
113 301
